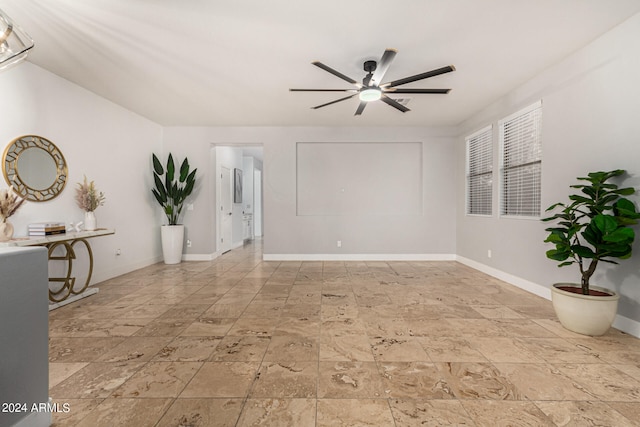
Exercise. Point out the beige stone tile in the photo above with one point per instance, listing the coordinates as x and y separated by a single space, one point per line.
78 409
208 327
584 414
264 309
146 311
492 413
524 328
308 311
631 410
259 327
279 412
218 310
343 327
346 380
240 349
450 349
354 412
96 327
135 348
604 381
292 348
478 381
158 379
476 327
163 328
541 381
497 312
95 380
428 413
631 370
286 380
302 326
398 349
432 328
202 413
126 412
338 312
503 349
346 348
185 311
559 350
414 379
59 372
187 349
80 349
222 379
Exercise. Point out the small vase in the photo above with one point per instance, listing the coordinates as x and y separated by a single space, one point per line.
90 222
6 231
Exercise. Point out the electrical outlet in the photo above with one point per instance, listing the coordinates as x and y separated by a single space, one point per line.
339 243
489 253
118 252
188 243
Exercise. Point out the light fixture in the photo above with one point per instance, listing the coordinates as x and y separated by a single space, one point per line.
14 42
370 94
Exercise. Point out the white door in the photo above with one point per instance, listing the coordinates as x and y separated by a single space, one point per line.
257 203
226 212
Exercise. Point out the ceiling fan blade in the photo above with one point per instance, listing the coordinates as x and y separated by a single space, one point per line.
323 90
336 73
417 77
360 108
333 102
383 66
393 103
441 91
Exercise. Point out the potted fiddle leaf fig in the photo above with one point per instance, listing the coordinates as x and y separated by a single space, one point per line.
171 190
593 227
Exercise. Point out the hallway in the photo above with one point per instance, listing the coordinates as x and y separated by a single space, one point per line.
242 342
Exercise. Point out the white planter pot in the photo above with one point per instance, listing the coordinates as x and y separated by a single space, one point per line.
585 314
172 241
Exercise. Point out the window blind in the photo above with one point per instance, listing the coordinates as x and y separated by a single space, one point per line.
480 172
521 162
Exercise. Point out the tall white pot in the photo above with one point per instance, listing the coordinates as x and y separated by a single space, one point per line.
584 314
172 242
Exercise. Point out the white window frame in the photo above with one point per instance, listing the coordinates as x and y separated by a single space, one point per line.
486 132
537 141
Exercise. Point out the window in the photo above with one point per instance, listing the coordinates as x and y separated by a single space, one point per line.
480 172
521 162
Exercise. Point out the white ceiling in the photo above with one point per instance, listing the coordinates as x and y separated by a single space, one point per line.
231 63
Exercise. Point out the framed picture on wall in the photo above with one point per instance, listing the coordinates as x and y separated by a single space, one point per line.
237 185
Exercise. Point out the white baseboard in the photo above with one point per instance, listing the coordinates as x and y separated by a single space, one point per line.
534 288
622 323
200 257
358 257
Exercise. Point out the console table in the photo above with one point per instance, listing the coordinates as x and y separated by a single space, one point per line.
67 291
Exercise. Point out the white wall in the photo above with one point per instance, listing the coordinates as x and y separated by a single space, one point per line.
431 233
99 139
590 108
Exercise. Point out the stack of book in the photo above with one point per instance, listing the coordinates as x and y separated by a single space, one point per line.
47 228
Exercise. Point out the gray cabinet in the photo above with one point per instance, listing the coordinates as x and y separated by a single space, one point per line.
24 324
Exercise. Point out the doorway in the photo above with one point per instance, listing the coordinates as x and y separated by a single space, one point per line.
225 243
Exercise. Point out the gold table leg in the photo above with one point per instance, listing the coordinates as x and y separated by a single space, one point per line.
68 283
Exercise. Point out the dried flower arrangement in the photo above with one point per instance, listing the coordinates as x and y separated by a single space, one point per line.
87 197
9 203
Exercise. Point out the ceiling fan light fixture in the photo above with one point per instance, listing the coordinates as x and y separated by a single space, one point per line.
370 94
14 42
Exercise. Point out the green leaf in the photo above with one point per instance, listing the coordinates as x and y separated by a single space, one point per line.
583 251
557 255
171 167
157 166
160 188
620 235
158 198
184 170
605 223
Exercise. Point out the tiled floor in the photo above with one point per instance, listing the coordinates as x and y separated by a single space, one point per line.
241 342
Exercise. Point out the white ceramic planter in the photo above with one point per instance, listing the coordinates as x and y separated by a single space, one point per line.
585 314
172 241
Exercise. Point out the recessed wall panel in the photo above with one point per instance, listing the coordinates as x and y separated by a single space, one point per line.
359 178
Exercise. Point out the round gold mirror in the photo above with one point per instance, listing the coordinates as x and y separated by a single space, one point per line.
35 168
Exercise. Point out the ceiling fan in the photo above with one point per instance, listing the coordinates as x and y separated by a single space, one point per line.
372 88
